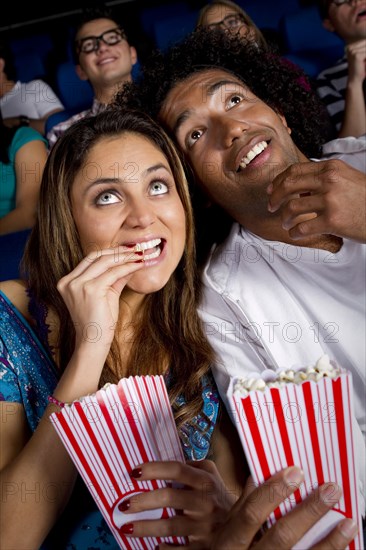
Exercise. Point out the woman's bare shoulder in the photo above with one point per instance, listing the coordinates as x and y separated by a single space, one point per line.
15 291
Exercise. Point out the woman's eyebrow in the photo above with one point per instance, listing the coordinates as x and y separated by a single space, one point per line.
120 180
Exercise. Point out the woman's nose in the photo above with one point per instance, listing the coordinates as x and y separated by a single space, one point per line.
141 214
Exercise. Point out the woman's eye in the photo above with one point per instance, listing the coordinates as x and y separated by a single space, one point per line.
106 198
158 188
234 100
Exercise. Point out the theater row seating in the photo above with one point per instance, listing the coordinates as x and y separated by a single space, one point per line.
300 32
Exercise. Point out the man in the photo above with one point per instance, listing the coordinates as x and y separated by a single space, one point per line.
104 57
342 86
287 284
24 103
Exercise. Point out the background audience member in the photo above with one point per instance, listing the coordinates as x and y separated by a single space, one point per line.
342 87
228 16
23 153
24 103
104 57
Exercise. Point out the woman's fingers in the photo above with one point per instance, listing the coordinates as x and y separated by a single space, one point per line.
98 262
185 474
195 503
179 526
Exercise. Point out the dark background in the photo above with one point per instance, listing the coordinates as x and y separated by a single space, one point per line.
41 37
58 17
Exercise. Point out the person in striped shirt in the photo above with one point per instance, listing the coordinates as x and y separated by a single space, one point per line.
342 87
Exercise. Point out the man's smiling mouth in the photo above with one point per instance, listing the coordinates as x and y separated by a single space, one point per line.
254 152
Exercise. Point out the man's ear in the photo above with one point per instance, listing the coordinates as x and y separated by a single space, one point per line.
80 72
284 122
133 54
2 64
328 25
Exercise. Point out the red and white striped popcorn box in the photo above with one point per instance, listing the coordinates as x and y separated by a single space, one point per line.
108 434
310 425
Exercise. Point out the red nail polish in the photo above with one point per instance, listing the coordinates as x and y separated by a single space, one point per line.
125 505
127 529
136 472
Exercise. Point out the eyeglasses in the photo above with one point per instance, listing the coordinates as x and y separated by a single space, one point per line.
341 2
230 22
91 43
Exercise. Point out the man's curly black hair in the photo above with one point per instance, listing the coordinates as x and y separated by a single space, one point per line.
276 81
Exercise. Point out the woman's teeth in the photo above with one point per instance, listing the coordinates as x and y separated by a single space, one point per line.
148 245
257 150
152 255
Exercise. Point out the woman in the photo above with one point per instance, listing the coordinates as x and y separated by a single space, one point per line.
228 16
23 154
112 251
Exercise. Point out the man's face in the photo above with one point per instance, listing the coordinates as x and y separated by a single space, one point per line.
109 64
234 142
348 20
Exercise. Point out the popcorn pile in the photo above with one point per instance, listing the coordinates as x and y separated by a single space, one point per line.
322 369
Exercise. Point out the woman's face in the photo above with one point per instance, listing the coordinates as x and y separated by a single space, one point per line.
125 194
225 18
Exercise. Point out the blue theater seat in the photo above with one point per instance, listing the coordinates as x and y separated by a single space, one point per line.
11 251
307 43
29 66
172 29
75 94
267 14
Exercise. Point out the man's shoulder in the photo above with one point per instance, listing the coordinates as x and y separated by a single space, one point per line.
57 130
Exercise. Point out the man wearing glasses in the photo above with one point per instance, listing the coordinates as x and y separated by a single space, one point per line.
342 87
104 57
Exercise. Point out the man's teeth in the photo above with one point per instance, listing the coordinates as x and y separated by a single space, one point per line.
257 149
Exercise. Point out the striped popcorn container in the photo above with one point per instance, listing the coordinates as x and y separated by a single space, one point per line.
307 424
108 434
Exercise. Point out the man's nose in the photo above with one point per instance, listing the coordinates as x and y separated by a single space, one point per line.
231 129
101 45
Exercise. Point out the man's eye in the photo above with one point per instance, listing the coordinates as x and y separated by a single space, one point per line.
106 198
158 188
87 44
193 137
234 100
